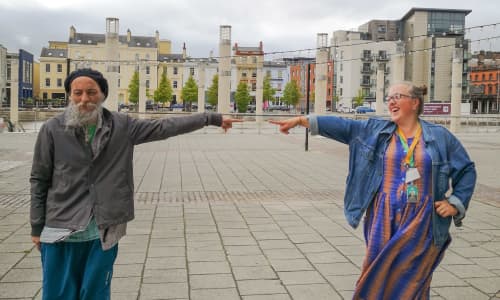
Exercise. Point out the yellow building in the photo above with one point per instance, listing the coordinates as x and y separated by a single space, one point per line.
89 50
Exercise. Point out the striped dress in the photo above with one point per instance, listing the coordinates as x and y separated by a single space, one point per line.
400 255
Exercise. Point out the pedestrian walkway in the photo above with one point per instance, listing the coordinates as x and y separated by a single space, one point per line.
247 216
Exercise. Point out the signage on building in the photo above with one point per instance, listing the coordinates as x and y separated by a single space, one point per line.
476 89
437 108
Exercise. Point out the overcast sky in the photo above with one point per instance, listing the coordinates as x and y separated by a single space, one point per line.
281 25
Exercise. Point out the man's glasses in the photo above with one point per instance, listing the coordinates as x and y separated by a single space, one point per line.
396 97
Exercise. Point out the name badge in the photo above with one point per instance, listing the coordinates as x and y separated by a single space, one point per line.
411 175
412 193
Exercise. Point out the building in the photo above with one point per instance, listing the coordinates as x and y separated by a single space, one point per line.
356 63
418 47
52 72
431 36
277 72
91 50
20 73
485 82
298 72
3 76
244 64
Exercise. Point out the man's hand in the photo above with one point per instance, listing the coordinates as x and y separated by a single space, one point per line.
228 123
36 241
286 125
445 209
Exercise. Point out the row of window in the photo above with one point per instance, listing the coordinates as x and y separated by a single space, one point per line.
476 77
58 66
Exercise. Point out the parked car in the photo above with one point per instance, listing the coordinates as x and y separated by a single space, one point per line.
177 107
346 109
364 109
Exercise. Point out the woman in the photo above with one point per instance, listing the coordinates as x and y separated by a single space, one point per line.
411 178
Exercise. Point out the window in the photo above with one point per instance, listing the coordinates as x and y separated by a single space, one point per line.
59 82
254 74
59 68
254 86
175 71
367 54
244 74
381 28
174 84
147 70
340 92
47 82
476 77
119 82
280 74
341 79
268 73
47 68
491 77
254 59
191 71
243 59
147 83
484 77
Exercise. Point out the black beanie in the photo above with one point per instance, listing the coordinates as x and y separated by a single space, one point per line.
95 75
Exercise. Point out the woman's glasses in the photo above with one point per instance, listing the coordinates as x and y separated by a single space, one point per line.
396 97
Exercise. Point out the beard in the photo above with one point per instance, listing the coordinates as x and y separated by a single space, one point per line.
76 117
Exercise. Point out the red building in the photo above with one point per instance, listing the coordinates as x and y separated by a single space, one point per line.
298 73
485 83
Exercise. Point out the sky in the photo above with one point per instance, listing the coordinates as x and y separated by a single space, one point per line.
282 25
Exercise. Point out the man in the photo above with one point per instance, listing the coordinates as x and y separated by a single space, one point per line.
82 185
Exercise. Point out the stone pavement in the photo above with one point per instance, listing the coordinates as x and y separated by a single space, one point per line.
247 216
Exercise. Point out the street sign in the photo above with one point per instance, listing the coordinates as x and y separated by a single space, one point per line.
437 108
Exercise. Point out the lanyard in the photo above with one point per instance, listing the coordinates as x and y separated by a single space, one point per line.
409 162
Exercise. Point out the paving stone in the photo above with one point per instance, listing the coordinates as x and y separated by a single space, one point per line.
209 268
260 287
219 294
301 277
164 291
313 291
258 272
212 281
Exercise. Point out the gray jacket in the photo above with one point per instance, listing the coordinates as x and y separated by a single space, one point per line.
69 183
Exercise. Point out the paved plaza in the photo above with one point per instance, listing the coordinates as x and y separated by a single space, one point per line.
247 215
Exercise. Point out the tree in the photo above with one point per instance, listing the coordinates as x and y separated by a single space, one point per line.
359 99
242 97
291 94
213 91
189 92
133 88
164 92
268 90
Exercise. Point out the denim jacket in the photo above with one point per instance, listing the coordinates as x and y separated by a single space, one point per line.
368 141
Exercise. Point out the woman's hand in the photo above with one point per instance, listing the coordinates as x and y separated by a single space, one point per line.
286 125
445 209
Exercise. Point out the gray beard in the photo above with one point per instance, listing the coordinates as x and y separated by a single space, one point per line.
75 118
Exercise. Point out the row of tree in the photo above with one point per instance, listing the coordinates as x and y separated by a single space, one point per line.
189 93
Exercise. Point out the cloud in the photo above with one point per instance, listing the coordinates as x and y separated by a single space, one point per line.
279 24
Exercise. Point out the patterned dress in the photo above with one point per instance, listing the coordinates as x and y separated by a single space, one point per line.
400 255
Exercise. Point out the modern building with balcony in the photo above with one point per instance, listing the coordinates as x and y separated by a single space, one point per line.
424 39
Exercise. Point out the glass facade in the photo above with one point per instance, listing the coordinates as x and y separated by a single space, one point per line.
446 22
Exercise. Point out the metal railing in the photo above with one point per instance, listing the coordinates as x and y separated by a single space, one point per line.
31 121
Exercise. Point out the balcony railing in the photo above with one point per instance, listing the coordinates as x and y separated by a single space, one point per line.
365 70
